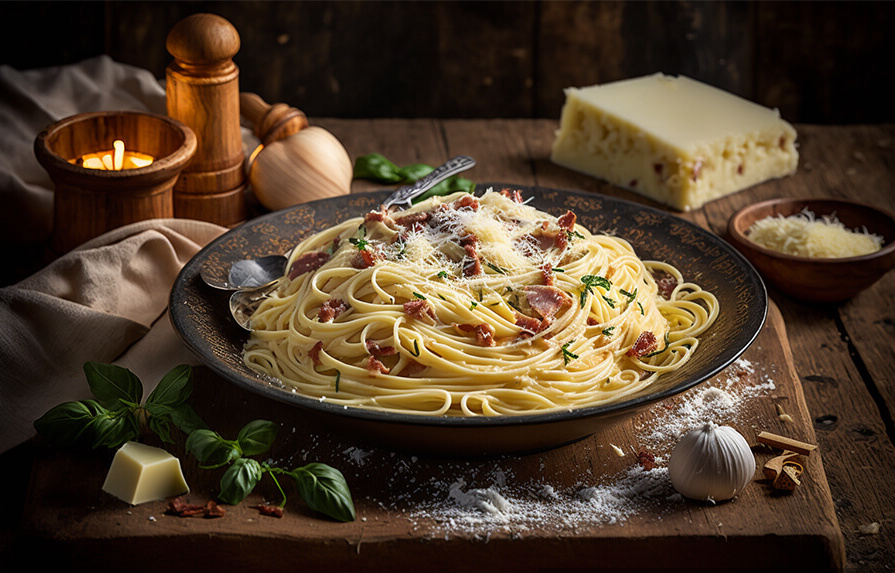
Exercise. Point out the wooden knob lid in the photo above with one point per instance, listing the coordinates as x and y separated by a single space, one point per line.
272 122
203 39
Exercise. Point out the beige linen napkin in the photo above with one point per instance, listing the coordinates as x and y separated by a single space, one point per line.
105 301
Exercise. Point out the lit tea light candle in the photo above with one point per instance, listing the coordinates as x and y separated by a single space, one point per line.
115 159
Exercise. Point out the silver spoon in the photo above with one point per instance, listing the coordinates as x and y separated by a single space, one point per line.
245 300
246 273
256 273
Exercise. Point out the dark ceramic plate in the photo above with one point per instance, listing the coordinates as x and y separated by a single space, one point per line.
201 317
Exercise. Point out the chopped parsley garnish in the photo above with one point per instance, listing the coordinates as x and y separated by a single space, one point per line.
361 244
608 330
338 377
559 270
419 296
441 296
474 304
630 295
658 351
591 281
641 308
568 355
495 268
609 301
443 274
416 348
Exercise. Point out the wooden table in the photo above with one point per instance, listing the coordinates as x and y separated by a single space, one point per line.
832 368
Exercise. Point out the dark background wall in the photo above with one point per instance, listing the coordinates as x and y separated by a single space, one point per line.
818 62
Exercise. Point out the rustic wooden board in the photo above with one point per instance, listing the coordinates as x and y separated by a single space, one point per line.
400 497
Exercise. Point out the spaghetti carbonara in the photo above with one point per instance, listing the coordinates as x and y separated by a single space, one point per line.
474 306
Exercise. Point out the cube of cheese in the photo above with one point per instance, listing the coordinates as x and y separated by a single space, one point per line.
141 473
673 139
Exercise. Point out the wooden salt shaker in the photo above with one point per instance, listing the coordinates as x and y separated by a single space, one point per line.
203 92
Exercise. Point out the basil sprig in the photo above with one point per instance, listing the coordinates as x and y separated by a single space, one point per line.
377 168
322 487
118 412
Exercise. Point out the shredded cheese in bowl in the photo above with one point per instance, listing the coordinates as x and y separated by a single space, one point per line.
806 235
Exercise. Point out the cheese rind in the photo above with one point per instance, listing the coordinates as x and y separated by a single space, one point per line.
141 473
674 139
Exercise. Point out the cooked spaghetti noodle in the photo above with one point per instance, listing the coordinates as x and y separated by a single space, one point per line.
465 306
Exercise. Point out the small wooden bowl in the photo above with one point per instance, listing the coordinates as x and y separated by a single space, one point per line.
817 279
89 202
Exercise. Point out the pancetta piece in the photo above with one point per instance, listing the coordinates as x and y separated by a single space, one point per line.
546 300
331 309
484 333
419 309
306 263
645 344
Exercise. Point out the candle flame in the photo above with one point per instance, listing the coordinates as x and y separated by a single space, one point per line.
116 159
118 154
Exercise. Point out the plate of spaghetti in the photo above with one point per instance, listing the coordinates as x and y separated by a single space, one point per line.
510 320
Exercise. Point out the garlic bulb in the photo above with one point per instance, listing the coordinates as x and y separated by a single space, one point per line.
711 463
308 165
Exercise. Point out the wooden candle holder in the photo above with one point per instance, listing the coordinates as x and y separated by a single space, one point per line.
202 88
89 202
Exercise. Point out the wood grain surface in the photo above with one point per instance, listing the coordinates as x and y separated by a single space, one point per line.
831 367
818 62
402 497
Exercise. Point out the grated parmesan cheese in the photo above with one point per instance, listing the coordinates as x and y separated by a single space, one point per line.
805 235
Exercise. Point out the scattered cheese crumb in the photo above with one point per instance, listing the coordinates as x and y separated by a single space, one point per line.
618 451
805 235
869 529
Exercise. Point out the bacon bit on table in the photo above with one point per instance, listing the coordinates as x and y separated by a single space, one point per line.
179 507
376 350
419 309
331 309
306 263
645 344
374 366
269 510
484 333
546 300
646 459
314 353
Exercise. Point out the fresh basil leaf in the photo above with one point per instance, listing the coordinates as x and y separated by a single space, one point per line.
160 421
450 185
186 418
113 385
64 425
324 489
375 167
414 171
256 437
239 480
112 429
211 449
174 388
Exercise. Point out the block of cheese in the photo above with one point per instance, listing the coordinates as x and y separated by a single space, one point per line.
141 473
676 140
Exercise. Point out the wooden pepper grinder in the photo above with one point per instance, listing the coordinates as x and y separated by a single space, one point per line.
202 86
296 162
